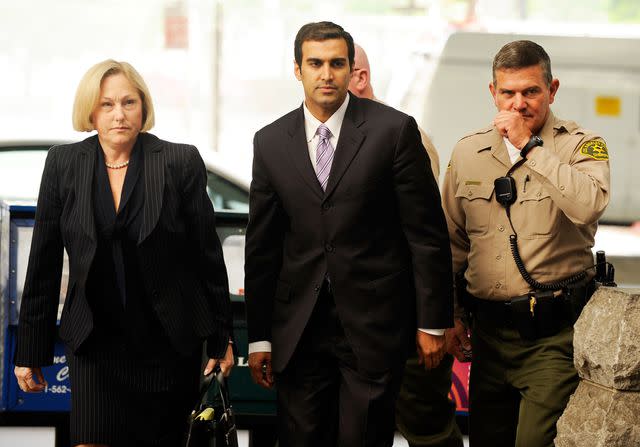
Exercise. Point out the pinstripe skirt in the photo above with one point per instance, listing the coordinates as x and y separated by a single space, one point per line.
121 401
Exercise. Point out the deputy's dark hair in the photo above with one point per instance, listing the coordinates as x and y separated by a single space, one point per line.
320 31
522 54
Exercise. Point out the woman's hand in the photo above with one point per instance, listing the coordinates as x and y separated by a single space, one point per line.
226 363
30 380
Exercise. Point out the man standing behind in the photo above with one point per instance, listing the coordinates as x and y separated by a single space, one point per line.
425 415
347 255
360 85
552 186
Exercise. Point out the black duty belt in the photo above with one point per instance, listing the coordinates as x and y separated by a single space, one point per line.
495 311
536 314
502 310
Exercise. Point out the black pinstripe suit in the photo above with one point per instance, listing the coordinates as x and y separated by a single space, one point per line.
182 267
183 276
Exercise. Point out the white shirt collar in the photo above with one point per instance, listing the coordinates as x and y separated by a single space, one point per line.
334 123
514 152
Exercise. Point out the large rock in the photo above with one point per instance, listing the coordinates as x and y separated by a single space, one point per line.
600 417
607 339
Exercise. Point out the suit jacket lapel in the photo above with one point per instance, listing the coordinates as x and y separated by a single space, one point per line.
350 141
299 152
85 170
153 183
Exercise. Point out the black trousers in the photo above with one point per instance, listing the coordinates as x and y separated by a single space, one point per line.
325 399
425 415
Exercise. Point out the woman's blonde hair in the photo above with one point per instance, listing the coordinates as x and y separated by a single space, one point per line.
88 94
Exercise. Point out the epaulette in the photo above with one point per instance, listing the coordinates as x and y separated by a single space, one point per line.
482 131
570 127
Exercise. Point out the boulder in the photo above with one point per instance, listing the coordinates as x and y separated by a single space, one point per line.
607 339
600 417
604 411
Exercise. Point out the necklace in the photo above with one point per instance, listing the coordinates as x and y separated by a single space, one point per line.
117 166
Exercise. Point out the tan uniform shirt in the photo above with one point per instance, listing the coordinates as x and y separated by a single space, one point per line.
428 145
432 153
562 190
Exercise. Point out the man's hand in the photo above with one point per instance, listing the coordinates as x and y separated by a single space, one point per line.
30 380
513 126
260 367
226 363
458 342
431 349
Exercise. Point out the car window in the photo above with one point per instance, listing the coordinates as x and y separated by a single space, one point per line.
225 195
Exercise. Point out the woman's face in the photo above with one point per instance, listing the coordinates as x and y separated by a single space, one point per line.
118 115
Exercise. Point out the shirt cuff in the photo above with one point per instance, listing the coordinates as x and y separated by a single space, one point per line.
259 346
438 332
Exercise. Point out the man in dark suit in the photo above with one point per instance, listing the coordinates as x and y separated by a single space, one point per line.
347 258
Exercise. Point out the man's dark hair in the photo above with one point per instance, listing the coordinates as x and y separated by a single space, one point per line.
320 31
522 54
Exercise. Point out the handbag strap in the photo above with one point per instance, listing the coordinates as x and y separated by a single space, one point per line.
224 388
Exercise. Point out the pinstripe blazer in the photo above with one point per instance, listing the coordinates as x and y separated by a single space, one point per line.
180 254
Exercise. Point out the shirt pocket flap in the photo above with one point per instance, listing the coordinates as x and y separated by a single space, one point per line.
472 191
533 192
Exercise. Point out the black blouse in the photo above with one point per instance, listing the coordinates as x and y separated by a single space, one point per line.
124 319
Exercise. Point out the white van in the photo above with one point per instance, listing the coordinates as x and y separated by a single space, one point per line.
599 89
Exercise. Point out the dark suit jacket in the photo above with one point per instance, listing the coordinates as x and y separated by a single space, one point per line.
181 257
378 231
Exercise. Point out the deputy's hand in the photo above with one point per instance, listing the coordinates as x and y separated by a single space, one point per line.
260 367
226 363
513 126
431 349
30 380
458 342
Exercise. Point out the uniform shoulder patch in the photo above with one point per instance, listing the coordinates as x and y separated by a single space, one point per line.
595 149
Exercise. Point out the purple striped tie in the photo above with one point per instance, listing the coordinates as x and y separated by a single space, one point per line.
324 155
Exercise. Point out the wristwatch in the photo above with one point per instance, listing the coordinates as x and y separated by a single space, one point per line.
534 141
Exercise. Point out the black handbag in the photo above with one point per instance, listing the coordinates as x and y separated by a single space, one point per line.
212 422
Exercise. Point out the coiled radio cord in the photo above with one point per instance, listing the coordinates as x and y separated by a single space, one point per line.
513 242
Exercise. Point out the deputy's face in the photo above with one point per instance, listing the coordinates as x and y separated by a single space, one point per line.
325 74
525 91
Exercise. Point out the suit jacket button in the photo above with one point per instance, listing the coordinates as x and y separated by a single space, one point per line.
316 288
329 248
326 206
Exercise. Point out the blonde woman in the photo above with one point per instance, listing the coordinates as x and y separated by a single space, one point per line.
147 280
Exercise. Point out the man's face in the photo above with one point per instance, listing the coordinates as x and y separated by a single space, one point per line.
524 90
325 74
